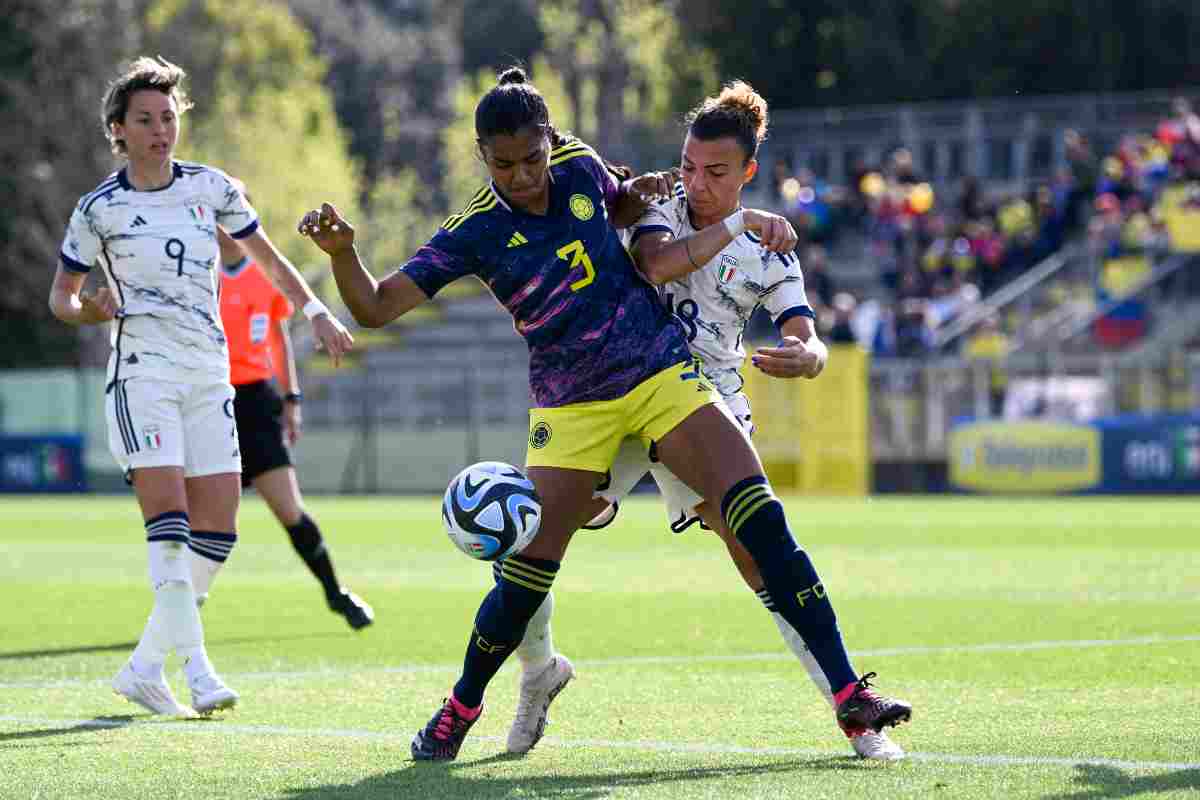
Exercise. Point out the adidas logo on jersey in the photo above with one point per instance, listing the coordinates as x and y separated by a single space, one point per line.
138 221
517 240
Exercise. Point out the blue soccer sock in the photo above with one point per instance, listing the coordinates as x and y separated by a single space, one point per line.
501 621
756 517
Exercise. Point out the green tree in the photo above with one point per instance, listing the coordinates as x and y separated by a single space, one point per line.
627 68
397 220
52 150
392 69
262 112
825 53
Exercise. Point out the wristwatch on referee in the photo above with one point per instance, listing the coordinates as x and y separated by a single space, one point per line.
293 397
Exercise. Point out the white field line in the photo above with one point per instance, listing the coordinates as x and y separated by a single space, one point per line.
633 661
224 727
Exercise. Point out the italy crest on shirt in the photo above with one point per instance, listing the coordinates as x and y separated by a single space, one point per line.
728 268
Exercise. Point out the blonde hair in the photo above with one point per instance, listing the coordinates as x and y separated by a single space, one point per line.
738 111
142 73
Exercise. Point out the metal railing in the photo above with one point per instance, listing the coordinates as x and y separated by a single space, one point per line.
914 403
1018 290
1066 323
410 426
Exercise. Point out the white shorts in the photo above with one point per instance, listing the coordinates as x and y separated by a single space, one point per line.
155 423
633 462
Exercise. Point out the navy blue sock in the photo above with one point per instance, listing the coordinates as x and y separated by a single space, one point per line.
500 625
756 517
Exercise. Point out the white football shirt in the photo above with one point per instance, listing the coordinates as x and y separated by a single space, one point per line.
715 302
158 250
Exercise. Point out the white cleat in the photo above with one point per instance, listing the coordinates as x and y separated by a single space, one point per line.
876 746
153 695
209 694
537 693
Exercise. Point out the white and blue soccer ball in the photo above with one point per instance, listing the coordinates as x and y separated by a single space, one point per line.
491 510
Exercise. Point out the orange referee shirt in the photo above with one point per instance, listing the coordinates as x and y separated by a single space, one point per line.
250 308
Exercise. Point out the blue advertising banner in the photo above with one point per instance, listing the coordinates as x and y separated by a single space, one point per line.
1127 454
42 464
1150 454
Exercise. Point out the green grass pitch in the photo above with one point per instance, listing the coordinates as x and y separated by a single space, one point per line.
1051 649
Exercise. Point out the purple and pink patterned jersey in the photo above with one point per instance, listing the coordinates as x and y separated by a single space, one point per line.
595 328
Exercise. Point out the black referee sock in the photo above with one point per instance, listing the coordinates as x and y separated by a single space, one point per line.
310 546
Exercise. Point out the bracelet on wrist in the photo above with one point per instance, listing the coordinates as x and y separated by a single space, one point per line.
735 223
314 308
293 397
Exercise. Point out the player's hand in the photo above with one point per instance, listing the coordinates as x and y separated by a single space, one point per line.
654 186
791 359
327 229
97 308
776 233
293 423
332 337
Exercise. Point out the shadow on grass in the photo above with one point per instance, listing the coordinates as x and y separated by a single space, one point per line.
122 647
88 726
1099 782
474 780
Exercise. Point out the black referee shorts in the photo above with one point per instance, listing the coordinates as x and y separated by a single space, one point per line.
258 408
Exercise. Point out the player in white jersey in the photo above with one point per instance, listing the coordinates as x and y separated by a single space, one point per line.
715 264
152 228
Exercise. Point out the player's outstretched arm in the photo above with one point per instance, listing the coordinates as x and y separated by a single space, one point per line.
372 303
330 333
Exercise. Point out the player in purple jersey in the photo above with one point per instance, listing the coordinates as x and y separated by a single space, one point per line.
606 362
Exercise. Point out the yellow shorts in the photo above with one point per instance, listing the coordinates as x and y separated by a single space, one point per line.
587 435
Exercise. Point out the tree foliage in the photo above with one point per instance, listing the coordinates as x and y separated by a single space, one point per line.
262 112
626 67
825 53
392 69
52 150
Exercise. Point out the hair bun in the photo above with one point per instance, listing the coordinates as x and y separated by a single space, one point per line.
512 75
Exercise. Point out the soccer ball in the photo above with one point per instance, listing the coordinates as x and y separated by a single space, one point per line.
491 510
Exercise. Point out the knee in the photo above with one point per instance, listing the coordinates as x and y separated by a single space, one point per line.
290 516
522 585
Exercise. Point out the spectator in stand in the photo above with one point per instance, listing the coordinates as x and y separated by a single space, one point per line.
1081 162
903 170
840 326
817 281
950 296
811 205
1116 178
1051 221
989 343
970 199
1181 133
914 337
857 200
1104 230
781 172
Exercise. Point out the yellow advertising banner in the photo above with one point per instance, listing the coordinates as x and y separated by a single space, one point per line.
814 436
1024 457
